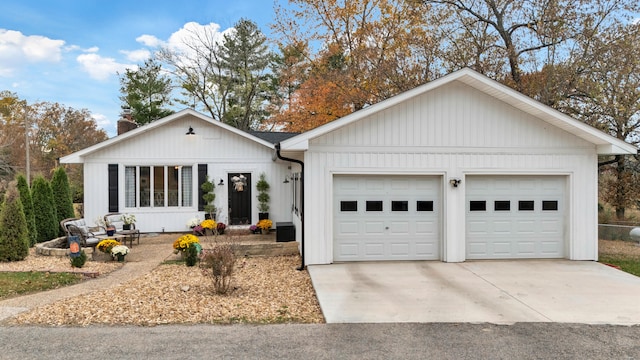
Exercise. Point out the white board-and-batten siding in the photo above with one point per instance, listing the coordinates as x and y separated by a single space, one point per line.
452 131
223 152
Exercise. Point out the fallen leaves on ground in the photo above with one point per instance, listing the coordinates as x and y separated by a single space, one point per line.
265 290
617 247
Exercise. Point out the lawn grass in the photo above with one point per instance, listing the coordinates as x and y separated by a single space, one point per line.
20 283
626 263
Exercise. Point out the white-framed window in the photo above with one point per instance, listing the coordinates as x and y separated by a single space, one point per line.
158 186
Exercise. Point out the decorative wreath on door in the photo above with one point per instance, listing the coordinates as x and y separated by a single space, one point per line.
239 182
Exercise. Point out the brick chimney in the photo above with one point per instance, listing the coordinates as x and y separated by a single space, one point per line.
126 123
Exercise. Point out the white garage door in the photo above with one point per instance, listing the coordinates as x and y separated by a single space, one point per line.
386 217
510 217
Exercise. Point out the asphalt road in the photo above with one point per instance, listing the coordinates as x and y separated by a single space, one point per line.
326 341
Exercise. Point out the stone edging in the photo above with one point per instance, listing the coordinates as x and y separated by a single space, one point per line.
53 248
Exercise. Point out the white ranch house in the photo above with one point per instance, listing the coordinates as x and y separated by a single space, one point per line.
155 172
459 168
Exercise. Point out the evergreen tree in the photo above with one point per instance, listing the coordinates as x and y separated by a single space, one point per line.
61 197
44 210
146 92
27 205
14 234
246 59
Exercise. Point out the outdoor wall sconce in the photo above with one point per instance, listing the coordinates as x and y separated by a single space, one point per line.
455 182
286 180
190 132
221 183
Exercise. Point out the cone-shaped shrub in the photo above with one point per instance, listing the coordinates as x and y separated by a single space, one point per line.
27 205
61 197
44 210
14 235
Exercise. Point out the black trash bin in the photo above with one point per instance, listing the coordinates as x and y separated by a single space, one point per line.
285 232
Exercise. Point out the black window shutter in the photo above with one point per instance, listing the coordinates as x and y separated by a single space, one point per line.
113 188
202 177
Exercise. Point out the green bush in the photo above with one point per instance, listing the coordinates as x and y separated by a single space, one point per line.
78 261
27 205
209 196
44 210
14 234
263 194
61 197
191 254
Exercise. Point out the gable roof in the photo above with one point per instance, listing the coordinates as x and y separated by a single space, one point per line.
78 156
605 143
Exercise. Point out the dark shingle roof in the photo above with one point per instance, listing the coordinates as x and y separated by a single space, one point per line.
273 137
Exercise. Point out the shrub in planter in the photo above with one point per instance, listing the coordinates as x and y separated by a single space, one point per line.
263 197
209 196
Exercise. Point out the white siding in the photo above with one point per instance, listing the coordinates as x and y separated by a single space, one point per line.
223 151
452 131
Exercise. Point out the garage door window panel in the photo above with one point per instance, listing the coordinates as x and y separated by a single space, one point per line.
399 205
374 205
502 205
549 205
526 205
424 205
348 206
476 205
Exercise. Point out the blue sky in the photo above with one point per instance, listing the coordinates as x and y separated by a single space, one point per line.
70 51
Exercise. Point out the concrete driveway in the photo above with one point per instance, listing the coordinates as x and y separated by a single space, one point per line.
499 292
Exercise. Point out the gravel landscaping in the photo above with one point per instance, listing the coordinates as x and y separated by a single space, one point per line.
265 290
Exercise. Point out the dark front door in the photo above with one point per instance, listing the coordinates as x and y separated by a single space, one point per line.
239 198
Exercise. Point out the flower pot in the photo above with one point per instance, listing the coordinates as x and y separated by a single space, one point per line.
126 227
263 215
264 231
111 230
120 257
208 216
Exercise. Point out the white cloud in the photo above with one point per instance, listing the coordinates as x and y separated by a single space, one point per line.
193 37
150 41
137 55
93 49
99 67
16 49
190 33
101 120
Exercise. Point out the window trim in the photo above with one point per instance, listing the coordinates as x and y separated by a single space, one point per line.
165 187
